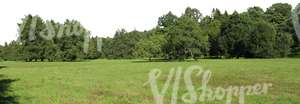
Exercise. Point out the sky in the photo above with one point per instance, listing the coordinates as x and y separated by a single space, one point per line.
104 17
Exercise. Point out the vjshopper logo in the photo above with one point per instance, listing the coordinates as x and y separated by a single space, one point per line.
203 92
296 20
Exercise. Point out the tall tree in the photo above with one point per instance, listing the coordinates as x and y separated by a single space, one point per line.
185 39
49 40
296 24
93 52
279 14
124 43
151 47
29 37
283 44
261 40
71 43
167 20
212 27
234 32
107 48
262 35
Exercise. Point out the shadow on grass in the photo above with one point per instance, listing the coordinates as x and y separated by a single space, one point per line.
1 67
6 96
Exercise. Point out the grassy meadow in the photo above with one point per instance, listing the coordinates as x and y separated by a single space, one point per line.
121 81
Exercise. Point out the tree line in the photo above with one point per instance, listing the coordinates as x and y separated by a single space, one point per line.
252 34
41 40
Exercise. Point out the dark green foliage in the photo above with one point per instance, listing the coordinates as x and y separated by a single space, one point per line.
50 40
256 34
10 52
296 24
211 27
124 43
252 34
72 41
151 46
283 44
184 38
93 52
261 40
106 51
167 20
279 13
256 13
296 51
32 42
234 33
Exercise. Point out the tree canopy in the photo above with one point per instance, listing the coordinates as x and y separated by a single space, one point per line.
254 33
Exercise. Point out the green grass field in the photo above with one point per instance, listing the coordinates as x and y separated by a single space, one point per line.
121 81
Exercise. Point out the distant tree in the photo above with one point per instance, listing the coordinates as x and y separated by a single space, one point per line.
234 32
283 44
256 13
261 40
151 47
212 27
72 41
10 52
107 48
193 13
279 14
124 43
50 40
296 12
51 51
167 21
32 42
185 38
93 52
117 46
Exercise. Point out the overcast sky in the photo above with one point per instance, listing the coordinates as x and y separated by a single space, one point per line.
104 17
